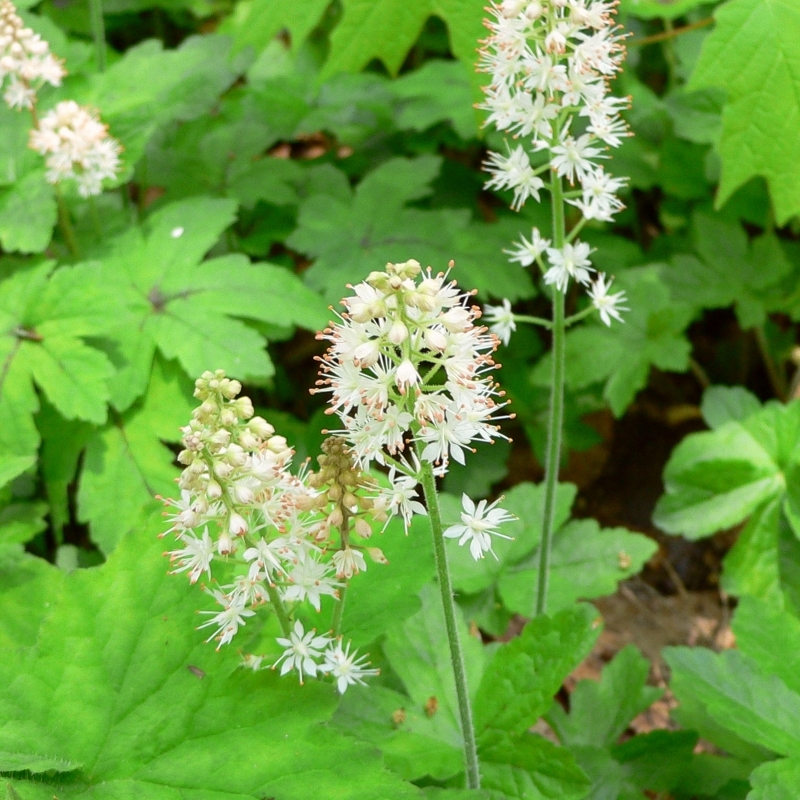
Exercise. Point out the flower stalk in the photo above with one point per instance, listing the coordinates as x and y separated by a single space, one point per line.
448 604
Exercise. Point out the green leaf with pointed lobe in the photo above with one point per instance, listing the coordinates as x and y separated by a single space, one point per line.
600 711
752 53
109 686
168 299
776 780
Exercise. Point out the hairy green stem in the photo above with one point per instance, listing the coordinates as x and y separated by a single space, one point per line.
98 33
280 610
556 415
338 612
65 223
448 603
545 323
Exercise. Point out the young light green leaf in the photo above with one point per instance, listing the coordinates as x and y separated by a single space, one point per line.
29 587
752 54
759 708
776 780
419 653
600 711
716 479
109 686
724 403
27 214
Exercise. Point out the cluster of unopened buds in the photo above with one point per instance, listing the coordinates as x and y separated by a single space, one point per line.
75 144
275 538
550 63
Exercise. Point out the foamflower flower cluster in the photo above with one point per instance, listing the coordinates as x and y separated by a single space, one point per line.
264 536
26 62
408 366
409 375
550 63
76 146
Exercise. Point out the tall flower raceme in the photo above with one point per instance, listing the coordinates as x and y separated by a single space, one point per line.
75 144
410 376
271 537
550 63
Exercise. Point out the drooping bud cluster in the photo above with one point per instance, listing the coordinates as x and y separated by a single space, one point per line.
407 365
276 537
550 63
76 146
347 502
25 60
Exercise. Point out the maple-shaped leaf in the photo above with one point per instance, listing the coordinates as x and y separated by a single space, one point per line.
44 318
121 689
621 356
190 310
730 270
352 235
387 29
752 53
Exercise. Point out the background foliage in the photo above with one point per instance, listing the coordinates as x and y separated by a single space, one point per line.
273 153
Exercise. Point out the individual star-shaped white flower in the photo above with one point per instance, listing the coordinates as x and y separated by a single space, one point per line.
609 305
302 652
572 261
345 667
501 320
526 251
478 525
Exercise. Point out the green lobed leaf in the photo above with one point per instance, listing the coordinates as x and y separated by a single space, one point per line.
752 53
771 637
387 594
654 9
419 653
519 683
20 522
600 711
658 760
586 561
27 762
11 466
621 356
532 768
28 588
108 686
